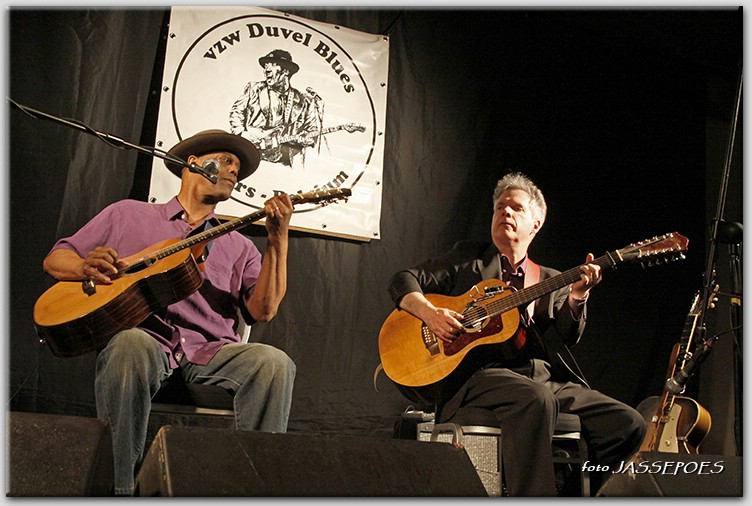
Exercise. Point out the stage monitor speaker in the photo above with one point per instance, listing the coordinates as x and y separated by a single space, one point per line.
662 474
203 462
59 456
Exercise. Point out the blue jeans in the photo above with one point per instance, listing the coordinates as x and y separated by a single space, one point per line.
132 367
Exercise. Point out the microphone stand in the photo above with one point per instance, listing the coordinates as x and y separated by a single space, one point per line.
113 141
704 346
731 233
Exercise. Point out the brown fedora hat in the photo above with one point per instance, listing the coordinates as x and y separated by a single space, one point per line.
210 141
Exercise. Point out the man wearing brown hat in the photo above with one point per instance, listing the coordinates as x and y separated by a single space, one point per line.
277 118
198 334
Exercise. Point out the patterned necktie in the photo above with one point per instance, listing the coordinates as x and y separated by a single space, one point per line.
510 276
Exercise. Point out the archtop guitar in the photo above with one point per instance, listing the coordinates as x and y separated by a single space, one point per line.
677 424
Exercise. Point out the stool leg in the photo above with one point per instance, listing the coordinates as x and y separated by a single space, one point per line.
584 474
501 467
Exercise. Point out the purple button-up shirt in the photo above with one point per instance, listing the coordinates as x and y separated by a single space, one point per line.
197 326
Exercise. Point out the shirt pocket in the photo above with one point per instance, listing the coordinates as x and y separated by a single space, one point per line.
219 276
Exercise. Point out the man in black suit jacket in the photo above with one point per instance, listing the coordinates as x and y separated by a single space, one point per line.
528 389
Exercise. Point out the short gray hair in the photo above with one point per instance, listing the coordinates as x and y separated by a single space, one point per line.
519 181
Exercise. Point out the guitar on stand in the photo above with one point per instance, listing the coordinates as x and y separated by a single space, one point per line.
677 424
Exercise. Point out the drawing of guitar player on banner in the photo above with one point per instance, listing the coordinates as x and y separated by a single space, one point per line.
278 118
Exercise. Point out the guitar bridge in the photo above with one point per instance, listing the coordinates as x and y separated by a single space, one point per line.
430 340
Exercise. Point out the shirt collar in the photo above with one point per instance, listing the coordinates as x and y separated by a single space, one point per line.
175 212
506 265
174 209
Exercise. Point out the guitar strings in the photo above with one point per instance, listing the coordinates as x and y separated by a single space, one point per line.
296 198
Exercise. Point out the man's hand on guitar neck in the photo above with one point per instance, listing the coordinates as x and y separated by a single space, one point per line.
590 275
279 211
444 323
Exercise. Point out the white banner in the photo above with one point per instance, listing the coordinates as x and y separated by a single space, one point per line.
310 95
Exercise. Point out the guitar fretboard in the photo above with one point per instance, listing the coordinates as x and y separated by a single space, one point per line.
685 343
217 231
527 295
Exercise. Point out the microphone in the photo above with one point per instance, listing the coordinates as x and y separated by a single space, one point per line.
313 93
676 384
209 169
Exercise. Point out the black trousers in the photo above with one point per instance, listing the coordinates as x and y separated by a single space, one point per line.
526 402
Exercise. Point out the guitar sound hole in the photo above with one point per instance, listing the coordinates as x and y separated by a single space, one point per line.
137 267
474 317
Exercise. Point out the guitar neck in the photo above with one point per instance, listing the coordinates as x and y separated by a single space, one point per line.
529 294
679 356
210 234
687 338
207 235
290 138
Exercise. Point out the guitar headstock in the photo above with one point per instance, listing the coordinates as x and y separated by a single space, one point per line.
321 196
354 127
660 249
697 306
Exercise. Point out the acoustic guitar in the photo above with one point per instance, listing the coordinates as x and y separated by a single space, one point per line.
428 370
676 424
76 317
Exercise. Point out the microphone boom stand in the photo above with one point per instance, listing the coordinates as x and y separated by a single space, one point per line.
704 346
113 141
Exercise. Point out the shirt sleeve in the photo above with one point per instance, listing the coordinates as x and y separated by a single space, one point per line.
437 275
97 232
250 274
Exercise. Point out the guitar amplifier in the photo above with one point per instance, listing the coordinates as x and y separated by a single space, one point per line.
481 442
482 446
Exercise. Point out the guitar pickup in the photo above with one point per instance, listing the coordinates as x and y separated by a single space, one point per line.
491 290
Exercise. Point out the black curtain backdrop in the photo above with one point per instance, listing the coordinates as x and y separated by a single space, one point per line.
622 117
